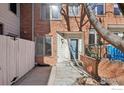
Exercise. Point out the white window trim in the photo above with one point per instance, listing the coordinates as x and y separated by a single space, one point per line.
103 9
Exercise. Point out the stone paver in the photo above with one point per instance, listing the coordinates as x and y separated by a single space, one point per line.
65 74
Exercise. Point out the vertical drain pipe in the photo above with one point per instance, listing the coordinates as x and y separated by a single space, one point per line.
33 31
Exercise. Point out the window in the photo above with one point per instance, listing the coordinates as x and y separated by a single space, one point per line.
1 29
13 7
116 10
92 36
45 12
43 46
100 9
74 10
48 46
55 9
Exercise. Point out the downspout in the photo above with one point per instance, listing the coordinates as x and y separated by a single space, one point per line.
33 31
18 14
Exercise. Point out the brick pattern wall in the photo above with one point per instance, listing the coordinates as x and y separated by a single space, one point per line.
26 21
42 27
51 27
90 64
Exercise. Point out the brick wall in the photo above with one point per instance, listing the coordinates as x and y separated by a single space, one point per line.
90 64
51 27
42 27
26 21
112 71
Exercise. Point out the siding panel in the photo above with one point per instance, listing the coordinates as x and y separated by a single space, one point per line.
9 20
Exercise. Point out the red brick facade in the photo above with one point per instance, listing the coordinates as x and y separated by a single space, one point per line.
26 21
51 27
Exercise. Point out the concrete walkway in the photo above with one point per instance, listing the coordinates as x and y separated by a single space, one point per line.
63 74
37 76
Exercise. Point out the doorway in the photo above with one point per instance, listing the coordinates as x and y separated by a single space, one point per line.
74 48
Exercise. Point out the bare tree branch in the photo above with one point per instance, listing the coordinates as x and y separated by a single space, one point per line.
64 12
85 23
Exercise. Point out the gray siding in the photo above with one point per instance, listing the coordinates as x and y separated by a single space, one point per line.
9 20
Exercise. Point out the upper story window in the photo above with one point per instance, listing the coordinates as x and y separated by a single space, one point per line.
55 11
13 7
1 29
45 12
116 10
74 10
100 9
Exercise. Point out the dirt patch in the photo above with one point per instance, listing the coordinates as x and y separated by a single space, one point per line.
111 71
86 81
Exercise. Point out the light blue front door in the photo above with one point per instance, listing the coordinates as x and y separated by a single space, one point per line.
74 48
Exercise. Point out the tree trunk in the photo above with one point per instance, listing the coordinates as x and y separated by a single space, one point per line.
105 34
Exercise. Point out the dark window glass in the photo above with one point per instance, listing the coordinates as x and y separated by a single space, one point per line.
116 33
48 46
91 38
13 7
116 11
39 46
100 9
43 46
1 29
45 12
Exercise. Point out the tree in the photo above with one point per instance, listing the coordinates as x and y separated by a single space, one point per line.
65 13
104 33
